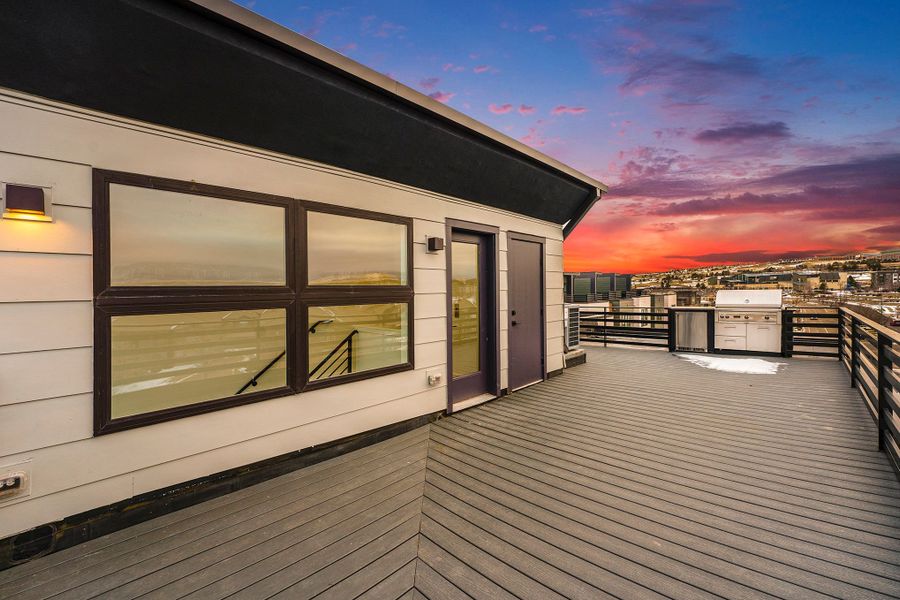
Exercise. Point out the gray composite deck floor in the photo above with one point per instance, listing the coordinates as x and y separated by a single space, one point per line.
637 475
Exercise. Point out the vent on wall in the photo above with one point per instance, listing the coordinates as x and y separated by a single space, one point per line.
572 326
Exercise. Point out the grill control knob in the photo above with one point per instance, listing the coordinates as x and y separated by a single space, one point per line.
746 316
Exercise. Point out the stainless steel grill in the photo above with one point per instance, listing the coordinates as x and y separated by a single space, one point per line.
748 320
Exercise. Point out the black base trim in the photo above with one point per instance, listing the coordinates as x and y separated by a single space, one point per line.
51 537
551 374
576 359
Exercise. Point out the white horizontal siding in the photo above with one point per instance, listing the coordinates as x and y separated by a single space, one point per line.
27 327
44 277
31 376
46 373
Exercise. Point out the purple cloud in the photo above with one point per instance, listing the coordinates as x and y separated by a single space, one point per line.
742 132
430 83
442 97
893 229
568 110
524 109
500 109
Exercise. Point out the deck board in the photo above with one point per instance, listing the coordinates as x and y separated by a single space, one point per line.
636 475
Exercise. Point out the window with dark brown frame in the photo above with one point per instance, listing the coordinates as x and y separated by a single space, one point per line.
208 297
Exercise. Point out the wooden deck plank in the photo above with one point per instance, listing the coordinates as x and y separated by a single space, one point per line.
585 520
197 570
433 586
313 553
635 475
659 533
443 560
132 564
637 441
398 584
705 473
73 560
359 570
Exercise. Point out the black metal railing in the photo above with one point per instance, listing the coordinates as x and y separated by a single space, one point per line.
811 331
254 381
337 362
871 354
634 327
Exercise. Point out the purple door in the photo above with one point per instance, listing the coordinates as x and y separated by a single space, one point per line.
526 310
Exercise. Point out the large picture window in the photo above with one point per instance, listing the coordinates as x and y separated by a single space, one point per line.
208 297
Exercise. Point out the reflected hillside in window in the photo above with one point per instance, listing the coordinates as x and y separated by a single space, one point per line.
165 238
351 251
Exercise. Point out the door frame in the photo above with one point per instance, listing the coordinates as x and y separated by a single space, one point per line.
492 236
525 237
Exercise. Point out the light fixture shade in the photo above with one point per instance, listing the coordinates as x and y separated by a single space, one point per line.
26 203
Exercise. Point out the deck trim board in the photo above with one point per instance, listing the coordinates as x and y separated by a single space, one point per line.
602 483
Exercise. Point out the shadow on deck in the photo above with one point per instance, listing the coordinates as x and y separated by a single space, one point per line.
637 475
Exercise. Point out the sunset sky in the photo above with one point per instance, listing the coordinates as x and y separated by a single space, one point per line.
727 130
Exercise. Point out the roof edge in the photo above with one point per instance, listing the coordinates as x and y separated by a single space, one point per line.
246 18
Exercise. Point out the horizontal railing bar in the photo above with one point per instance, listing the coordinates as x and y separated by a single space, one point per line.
812 353
631 343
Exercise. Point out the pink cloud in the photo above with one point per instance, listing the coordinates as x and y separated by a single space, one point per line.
482 68
524 109
500 109
442 97
533 138
429 83
537 28
454 68
568 110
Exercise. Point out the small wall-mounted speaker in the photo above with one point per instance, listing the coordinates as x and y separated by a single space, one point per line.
434 244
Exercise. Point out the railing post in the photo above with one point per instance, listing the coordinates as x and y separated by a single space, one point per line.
787 333
350 354
854 352
840 332
670 322
884 363
605 325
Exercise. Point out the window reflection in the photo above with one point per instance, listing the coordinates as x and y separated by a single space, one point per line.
466 316
354 338
164 238
169 360
353 251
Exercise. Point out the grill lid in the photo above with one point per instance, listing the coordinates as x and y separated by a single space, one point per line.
748 299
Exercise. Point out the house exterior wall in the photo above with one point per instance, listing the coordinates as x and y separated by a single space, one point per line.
46 371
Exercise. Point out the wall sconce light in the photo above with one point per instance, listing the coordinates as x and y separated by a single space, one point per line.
434 244
26 202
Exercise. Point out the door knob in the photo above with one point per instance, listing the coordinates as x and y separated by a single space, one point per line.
515 322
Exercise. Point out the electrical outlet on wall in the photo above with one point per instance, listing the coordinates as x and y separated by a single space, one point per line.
434 377
15 481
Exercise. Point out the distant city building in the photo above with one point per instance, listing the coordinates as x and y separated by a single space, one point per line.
759 280
591 286
886 281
